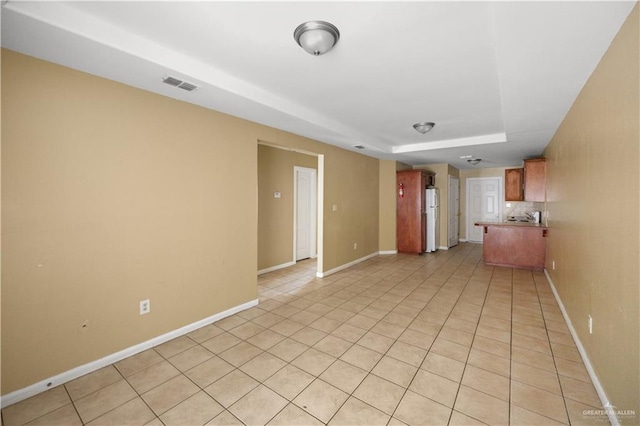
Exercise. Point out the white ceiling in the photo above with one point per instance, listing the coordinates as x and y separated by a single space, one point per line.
497 78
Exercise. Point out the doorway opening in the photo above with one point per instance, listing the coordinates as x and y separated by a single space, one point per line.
295 204
304 213
484 204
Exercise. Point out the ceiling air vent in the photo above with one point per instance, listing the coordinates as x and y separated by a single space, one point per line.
172 81
358 147
188 86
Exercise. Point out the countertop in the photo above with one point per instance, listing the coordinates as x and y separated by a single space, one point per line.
512 223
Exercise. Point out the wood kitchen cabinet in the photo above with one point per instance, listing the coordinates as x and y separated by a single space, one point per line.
411 209
513 184
535 176
514 245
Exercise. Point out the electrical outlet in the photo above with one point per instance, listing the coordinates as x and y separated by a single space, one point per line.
145 307
553 265
335 207
355 246
590 324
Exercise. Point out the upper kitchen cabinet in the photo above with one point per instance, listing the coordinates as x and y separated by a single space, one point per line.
513 184
535 179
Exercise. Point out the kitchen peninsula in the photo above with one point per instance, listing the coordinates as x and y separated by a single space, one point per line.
514 244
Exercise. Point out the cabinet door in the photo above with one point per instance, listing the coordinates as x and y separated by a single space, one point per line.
513 181
534 180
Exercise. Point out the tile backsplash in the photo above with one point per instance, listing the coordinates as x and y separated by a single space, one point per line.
520 208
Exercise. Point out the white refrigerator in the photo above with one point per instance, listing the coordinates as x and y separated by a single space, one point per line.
433 220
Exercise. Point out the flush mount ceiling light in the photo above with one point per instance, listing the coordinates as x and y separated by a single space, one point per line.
424 127
316 37
474 161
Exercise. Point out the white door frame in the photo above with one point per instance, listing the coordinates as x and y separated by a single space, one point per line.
453 212
312 211
468 195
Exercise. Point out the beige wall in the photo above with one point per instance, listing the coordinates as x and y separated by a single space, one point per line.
592 197
112 195
387 206
351 183
354 182
110 199
402 166
275 215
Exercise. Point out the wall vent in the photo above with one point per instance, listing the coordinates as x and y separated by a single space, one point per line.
172 81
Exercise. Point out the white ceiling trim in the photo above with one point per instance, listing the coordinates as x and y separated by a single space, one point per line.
507 71
451 143
76 22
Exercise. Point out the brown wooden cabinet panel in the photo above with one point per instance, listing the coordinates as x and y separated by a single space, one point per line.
431 179
535 177
411 209
514 246
513 184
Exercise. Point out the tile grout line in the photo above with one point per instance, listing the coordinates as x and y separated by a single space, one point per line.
373 367
435 338
533 385
564 400
464 368
511 352
338 358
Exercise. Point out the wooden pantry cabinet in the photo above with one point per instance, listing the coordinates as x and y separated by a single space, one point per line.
411 209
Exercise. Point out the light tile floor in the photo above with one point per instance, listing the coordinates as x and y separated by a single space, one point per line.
419 340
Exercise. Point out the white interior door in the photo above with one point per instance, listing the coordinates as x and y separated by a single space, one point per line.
483 204
453 225
304 233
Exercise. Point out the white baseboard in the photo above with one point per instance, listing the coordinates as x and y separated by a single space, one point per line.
463 240
583 354
275 268
59 379
443 248
345 266
383 252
